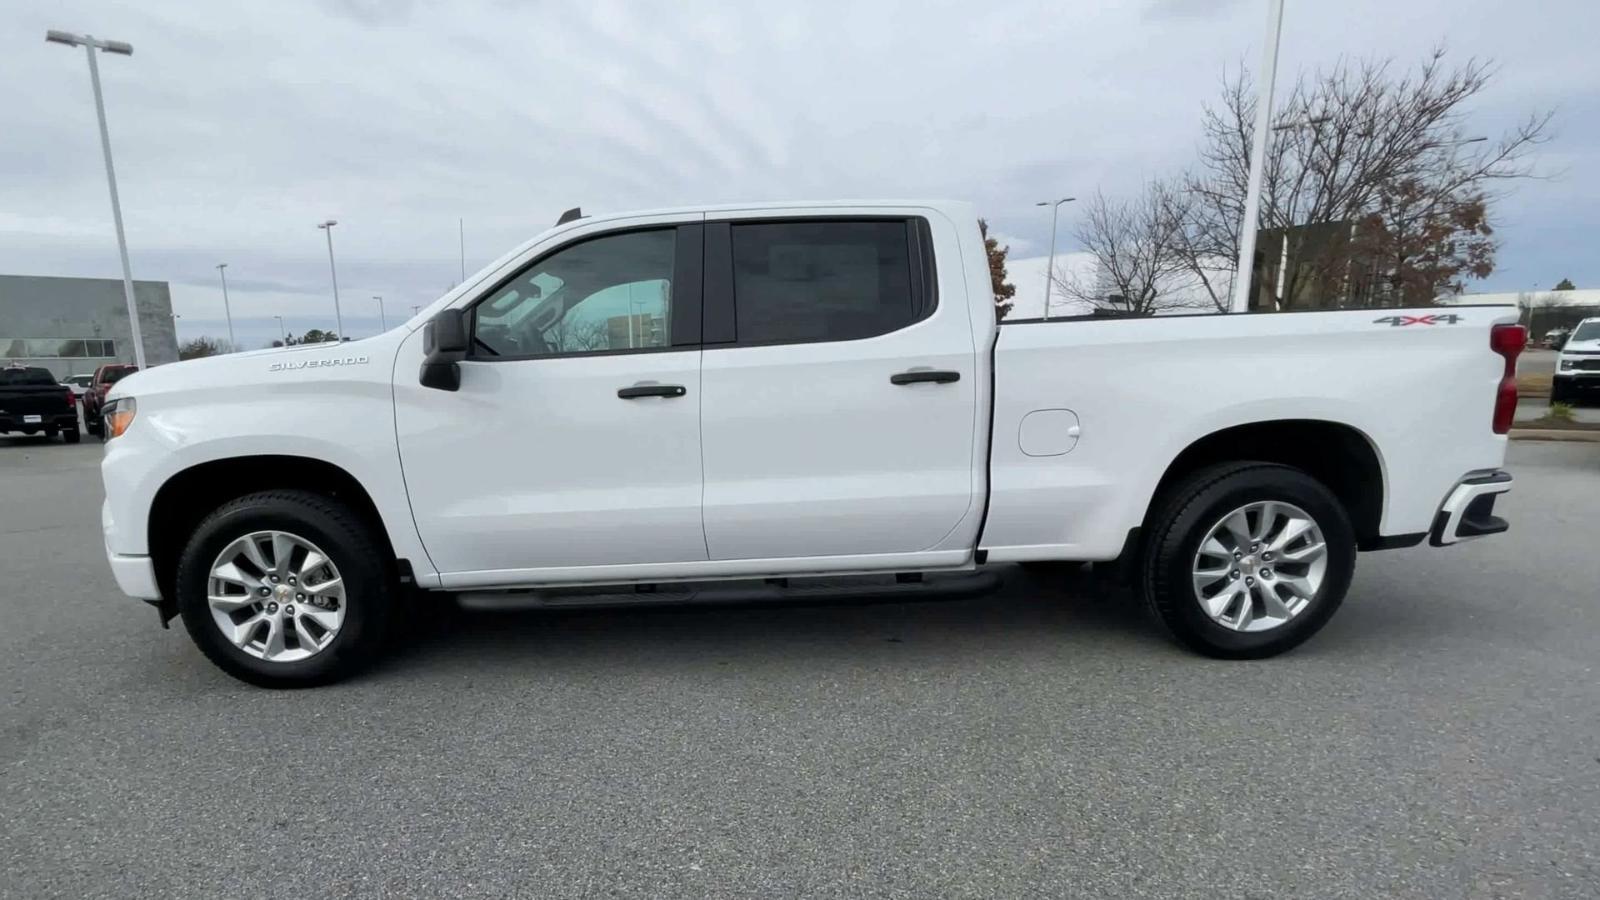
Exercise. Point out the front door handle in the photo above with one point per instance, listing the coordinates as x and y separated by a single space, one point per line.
633 392
917 376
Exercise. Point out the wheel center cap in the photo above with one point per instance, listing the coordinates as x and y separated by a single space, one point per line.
283 592
1249 562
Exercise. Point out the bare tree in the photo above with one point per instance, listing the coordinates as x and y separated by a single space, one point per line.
1378 158
1136 249
577 335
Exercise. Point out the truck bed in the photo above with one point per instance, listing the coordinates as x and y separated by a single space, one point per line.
1139 391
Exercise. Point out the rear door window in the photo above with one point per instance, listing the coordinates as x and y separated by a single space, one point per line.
810 280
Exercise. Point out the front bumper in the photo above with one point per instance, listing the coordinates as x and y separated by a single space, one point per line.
135 574
1468 512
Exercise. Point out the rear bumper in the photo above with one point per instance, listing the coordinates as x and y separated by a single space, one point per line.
58 421
1468 512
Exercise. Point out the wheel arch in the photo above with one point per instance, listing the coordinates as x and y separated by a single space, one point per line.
1342 457
187 497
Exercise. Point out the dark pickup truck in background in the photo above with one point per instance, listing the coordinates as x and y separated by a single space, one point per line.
95 396
32 401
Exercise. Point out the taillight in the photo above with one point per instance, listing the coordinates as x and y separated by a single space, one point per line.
1508 341
72 398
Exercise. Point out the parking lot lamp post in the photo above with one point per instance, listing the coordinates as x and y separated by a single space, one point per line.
338 317
382 319
282 331
1050 267
90 44
226 309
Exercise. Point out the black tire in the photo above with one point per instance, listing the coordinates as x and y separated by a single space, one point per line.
72 435
91 425
1558 393
368 574
1190 509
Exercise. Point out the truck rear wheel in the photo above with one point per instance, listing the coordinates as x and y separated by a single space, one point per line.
1247 560
285 589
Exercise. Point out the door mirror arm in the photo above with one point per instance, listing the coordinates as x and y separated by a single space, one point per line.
444 346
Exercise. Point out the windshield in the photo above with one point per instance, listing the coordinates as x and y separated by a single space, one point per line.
30 375
1588 331
112 376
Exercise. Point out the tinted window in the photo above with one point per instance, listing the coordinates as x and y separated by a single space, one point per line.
28 375
821 281
1588 331
606 294
112 376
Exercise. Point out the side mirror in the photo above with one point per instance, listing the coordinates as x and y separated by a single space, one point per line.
444 344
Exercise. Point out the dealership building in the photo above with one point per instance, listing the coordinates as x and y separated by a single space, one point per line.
72 325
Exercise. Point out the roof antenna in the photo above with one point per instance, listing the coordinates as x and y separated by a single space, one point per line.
571 215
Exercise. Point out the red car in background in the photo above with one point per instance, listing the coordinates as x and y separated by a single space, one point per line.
94 398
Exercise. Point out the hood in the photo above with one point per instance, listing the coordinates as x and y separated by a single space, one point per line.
255 367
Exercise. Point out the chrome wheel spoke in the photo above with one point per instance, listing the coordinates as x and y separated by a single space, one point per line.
242 633
232 574
1271 605
308 635
1298 585
1246 614
313 561
1306 554
274 645
327 618
333 586
282 549
252 552
231 602
1293 531
1269 543
1217 604
1204 578
1266 517
1238 527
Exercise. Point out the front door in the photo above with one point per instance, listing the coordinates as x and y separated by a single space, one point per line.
574 440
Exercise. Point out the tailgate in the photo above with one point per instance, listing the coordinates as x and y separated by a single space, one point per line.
34 401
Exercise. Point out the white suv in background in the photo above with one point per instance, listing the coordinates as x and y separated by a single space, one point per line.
1578 363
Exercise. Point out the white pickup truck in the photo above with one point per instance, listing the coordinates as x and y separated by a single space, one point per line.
776 393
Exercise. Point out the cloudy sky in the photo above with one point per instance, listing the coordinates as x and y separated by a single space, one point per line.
238 126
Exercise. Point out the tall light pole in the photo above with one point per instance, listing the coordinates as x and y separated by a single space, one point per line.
90 45
1258 154
282 331
338 317
381 317
226 309
1050 267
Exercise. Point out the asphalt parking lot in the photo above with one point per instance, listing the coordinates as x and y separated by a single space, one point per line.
1441 738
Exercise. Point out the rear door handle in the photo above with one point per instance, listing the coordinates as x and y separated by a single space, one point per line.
633 392
917 376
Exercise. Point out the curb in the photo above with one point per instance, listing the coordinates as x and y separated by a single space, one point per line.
1555 434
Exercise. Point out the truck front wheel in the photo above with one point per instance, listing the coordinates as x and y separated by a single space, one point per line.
1247 560
285 589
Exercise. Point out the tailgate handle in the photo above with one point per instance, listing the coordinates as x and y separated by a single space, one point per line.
918 376
636 391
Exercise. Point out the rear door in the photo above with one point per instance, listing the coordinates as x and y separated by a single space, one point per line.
839 388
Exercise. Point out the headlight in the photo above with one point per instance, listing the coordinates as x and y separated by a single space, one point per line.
1568 364
118 416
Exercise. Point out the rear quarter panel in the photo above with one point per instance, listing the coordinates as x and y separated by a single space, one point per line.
1145 389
